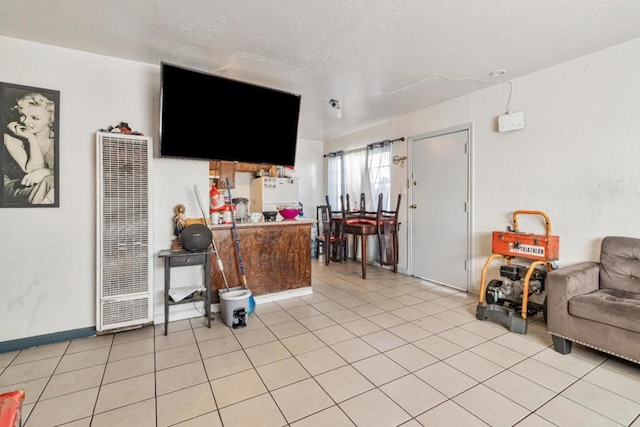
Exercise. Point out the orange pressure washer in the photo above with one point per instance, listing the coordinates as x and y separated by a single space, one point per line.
507 300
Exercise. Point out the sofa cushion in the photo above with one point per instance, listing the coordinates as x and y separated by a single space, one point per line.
620 263
609 306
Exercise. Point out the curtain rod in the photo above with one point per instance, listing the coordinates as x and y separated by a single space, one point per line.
372 145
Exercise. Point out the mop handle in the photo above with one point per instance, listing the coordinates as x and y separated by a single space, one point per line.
195 190
213 243
235 235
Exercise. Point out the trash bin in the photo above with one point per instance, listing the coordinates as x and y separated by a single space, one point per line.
234 306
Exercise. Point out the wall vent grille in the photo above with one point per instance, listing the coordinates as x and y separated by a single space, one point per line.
124 260
121 312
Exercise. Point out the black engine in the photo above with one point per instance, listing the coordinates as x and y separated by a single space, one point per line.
509 290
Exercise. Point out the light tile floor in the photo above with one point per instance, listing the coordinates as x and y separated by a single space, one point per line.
390 350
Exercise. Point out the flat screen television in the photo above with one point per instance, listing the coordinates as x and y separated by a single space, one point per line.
204 116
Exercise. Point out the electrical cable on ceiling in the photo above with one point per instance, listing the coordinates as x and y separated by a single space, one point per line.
454 79
443 76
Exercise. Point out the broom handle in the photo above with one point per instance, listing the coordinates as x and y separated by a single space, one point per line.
235 236
213 243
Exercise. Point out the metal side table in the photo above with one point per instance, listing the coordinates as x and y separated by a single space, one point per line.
184 259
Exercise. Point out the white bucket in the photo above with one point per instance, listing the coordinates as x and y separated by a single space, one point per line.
234 306
236 295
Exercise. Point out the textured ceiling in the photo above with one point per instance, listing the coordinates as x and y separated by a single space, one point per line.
379 58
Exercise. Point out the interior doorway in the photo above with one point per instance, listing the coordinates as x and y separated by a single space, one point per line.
440 208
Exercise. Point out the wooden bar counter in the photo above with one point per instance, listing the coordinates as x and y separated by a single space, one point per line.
276 255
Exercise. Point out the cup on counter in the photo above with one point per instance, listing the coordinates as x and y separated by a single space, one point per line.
255 216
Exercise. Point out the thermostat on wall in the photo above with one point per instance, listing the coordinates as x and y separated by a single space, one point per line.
511 121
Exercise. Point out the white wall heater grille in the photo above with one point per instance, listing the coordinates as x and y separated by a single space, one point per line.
123 232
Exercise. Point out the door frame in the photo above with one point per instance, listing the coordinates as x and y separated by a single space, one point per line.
470 193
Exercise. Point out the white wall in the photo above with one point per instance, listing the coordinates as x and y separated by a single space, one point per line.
578 158
309 168
47 258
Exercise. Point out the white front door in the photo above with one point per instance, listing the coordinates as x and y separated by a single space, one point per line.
440 208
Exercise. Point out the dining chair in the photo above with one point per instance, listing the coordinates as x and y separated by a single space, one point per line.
360 215
341 202
334 234
357 208
340 224
328 203
388 226
360 224
320 239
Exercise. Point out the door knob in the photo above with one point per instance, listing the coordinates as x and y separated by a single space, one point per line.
414 206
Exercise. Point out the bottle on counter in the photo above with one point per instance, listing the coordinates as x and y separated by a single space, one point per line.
226 214
216 218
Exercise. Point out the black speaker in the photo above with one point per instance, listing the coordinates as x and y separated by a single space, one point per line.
196 237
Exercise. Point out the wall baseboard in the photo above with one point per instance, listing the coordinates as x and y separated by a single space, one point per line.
289 293
194 312
22 343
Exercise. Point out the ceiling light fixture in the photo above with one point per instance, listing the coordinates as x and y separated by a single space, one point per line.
498 73
335 104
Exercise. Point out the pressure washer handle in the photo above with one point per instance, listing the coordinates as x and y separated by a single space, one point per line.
544 215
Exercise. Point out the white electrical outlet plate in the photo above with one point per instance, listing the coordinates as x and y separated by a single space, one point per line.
511 121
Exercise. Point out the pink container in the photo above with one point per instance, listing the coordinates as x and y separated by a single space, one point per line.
289 213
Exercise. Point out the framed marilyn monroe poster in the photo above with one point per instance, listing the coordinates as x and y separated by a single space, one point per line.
29 161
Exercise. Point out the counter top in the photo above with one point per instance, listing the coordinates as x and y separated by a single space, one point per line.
283 222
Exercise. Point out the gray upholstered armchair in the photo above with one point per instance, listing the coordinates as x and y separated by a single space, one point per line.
598 303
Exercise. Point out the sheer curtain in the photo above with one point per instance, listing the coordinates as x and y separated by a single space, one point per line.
379 171
364 170
356 176
335 183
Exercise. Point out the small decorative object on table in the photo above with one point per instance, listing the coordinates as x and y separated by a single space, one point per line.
176 245
179 222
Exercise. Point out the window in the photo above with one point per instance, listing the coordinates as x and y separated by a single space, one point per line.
379 167
366 170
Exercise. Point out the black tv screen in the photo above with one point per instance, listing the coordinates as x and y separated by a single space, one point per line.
203 116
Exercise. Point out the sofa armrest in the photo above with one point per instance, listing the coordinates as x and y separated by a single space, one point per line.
564 284
577 279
